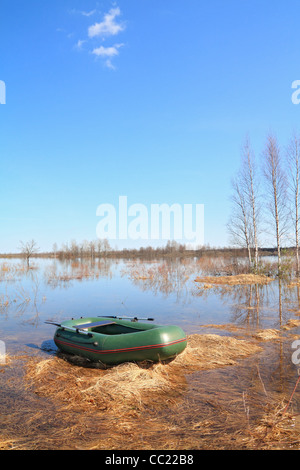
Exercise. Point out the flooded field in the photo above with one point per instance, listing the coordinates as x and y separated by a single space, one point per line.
235 387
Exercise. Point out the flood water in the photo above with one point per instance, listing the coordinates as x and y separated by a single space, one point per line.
164 290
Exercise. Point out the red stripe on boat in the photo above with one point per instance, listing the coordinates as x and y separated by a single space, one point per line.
112 351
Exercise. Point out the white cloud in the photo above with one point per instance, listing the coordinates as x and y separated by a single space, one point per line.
83 13
80 43
110 51
107 27
88 13
98 41
109 64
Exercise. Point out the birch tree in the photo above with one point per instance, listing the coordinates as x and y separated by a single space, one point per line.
276 191
239 223
250 185
293 156
244 222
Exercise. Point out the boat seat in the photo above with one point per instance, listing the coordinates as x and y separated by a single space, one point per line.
94 324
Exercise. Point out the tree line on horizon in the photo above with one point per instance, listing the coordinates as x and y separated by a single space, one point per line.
265 200
101 248
97 249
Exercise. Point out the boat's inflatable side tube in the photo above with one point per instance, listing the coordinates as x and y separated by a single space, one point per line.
156 343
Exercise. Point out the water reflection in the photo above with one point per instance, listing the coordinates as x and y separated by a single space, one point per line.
163 285
256 305
61 289
60 273
161 277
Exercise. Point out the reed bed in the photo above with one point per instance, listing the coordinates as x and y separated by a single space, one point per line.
6 444
79 272
10 271
132 384
269 334
201 400
164 277
119 398
295 282
239 279
292 323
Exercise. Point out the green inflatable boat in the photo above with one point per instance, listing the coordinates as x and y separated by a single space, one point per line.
113 340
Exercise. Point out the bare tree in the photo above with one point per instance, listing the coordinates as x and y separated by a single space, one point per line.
84 248
28 249
105 246
54 249
65 250
74 250
249 182
276 191
99 246
243 224
239 223
293 156
92 248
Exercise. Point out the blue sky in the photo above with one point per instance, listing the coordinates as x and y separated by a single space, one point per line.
150 99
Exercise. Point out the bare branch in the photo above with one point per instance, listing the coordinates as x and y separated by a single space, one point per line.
293 156
276 191
28 249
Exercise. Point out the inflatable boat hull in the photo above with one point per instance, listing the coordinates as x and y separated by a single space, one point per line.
113 341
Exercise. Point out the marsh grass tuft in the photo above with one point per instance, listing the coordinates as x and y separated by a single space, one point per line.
196 401
134 400
239 279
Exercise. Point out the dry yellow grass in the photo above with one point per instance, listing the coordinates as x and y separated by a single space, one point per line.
132 403
267 335
294 283
130 384
6 444
76 405
292 323
239 279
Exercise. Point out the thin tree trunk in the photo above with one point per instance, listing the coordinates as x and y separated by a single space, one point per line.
296 216
277 192
252 200
238 225
277 228
293 161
